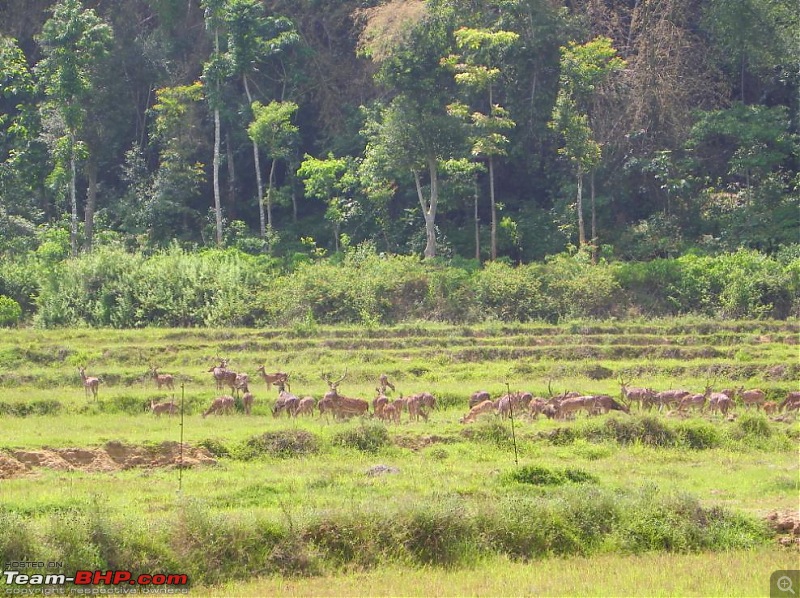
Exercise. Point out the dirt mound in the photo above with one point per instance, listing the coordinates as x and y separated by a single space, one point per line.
786 525
113 456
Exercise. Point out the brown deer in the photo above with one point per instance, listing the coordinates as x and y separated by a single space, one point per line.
219 372
390 413
286 402
478 397
276 378
159 408
755 396
89 383
634 394
163 379
416 407
770 407
342 407
247 402
479 409
305 406
791 402
668 398
383 383
223 404
606 403
379 403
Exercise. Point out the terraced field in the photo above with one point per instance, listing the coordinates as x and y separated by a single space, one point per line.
284 499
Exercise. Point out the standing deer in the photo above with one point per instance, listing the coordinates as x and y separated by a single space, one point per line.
341 406
643 396
89 383
383 384
159 408
163 379
478 397
755 397
276 378
247 402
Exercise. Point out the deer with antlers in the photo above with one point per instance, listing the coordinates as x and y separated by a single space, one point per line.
342 407
277 378
633 394
167 380
89 383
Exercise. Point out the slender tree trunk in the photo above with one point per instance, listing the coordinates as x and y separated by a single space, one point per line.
477 222
257 162
429 207
231 199
73 198
494 208
217 199
269 193
594 218
581 230
294 206
91 203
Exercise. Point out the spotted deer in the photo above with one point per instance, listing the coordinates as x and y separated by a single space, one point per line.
89 383
167 380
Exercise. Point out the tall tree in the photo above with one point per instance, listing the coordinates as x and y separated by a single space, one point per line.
478 68
73 41
254 37
583 68
215 72
414 133
272 129
332 180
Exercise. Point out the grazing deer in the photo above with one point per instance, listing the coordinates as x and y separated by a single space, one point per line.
163 379
89 383
223 404
791 402
755 396
478 397
770 407
719 401
159 408
536 406
605 403
479 409
286 402
692 401
305 406
569 407
416 407
276 378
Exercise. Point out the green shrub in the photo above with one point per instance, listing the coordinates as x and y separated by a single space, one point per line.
282 444
437 534
10 311
539 475
368 438
754 425
698 435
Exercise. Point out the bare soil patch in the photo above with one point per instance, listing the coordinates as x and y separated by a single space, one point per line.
113 456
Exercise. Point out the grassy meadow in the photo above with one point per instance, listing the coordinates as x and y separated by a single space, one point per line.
612 504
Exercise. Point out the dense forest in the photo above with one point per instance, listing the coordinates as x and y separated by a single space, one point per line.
461 130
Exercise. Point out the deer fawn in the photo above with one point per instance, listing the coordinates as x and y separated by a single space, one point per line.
89 383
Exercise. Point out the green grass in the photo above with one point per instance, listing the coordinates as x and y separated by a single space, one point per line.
262 498
738 573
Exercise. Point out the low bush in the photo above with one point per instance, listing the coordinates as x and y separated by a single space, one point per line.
282 444
368 438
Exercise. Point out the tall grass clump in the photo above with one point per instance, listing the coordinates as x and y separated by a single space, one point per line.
368 438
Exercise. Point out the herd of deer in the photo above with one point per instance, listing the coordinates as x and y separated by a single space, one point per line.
418 406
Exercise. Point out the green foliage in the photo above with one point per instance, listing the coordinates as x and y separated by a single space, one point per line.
368 438
283 444
753 425
540 475
10 311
